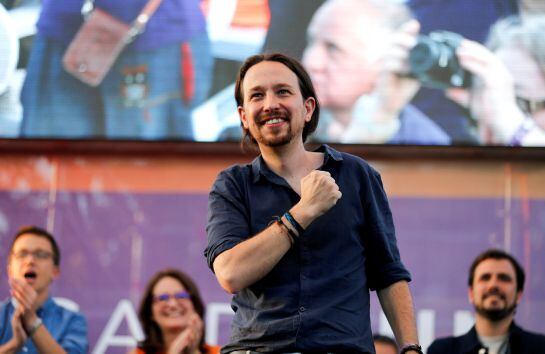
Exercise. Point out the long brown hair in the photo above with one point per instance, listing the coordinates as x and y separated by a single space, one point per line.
305 85
153 342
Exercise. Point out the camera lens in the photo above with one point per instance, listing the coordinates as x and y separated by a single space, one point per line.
424 55
434 63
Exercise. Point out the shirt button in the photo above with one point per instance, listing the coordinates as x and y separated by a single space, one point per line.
302 309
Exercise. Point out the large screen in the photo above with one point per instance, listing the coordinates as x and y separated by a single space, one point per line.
418 72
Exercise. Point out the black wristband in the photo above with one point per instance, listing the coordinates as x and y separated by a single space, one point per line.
413 347
291 234
294 223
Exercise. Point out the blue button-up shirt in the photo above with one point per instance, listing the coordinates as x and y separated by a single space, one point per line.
317 296
68 328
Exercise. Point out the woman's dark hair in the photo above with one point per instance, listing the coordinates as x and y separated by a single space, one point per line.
305 85
153 342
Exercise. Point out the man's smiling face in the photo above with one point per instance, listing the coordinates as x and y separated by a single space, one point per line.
274 110
494 290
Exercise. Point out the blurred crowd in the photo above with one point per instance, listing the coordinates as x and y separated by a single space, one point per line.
416 72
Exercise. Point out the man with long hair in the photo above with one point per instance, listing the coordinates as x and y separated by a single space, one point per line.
300 237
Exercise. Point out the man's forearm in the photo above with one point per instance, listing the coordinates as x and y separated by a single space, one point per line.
397 304
40 336
251 260
45 343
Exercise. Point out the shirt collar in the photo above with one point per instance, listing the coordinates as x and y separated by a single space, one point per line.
470 341
516 335
330 154
260 168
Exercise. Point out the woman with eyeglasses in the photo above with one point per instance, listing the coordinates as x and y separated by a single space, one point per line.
171 314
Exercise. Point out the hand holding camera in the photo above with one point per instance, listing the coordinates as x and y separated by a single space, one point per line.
491 99
394 76
473 77
433 61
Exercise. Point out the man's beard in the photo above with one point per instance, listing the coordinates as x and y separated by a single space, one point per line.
278 140
496 314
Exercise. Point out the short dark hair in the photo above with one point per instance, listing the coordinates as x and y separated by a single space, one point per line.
153 342
497 254
379 338
38 231
305 85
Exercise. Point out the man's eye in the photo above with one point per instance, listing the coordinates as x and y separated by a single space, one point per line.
332 48
256 95
283 92
22 254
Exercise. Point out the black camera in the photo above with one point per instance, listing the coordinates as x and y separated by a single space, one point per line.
434 63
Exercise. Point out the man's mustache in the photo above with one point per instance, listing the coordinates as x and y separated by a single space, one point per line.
265 116
494 292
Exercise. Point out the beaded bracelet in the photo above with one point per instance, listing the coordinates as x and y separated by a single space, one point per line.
411 347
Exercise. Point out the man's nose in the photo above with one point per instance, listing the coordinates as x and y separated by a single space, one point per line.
30 258
270 102
493 284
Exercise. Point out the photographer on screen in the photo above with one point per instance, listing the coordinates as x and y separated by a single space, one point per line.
502 86
355 54
507 98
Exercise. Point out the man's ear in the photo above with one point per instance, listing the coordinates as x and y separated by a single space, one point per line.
310 105
242 116
470 296
9 268
56 272
519 296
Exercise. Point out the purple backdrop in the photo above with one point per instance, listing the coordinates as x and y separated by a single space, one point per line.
112 243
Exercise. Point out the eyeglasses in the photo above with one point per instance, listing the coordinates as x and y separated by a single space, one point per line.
38 254
530 106
163 298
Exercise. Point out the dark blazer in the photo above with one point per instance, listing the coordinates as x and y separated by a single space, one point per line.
520 342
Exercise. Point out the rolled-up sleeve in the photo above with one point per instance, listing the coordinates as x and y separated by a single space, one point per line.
75 339
228 219
383 262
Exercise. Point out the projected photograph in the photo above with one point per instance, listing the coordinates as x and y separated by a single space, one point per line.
416 72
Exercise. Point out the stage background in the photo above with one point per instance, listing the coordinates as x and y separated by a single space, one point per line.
120 217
